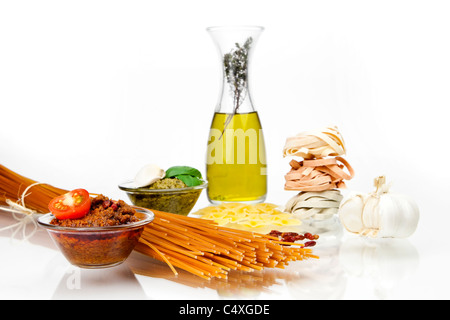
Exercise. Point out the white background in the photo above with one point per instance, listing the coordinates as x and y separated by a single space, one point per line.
90 91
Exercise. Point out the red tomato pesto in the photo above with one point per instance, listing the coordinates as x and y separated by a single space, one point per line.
97 248
103 212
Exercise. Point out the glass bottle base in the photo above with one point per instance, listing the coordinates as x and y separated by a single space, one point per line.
256 201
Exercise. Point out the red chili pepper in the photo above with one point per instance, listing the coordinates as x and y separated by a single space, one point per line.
310 244
294 236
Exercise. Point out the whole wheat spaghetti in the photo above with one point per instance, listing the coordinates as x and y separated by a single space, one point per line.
13 186
198 246
208 250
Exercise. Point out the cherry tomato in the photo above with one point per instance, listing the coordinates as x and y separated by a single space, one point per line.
72 205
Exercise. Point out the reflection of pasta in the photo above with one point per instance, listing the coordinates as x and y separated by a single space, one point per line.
257 215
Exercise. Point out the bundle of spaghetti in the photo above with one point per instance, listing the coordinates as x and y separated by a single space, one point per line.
198 246
37 195
208 250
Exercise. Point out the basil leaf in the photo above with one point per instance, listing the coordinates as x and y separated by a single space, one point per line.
189 180
182 170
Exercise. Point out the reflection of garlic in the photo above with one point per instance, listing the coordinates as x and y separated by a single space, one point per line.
383 265
380 214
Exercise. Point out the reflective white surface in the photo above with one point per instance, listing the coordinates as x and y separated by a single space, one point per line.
379 70
350 267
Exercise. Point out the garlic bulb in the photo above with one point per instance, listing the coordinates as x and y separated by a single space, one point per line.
380 214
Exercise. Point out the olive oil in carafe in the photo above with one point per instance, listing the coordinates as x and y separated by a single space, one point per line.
236 166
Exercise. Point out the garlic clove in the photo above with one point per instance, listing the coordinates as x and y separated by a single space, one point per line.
404 223
371 213
350 213
412 214
148 175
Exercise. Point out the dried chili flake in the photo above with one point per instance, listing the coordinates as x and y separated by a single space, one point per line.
294 236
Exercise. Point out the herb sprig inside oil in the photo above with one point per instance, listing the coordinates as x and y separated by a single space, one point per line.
236 73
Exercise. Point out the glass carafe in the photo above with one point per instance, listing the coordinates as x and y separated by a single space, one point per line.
236 166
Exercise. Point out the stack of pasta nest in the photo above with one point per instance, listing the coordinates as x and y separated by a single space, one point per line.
318 175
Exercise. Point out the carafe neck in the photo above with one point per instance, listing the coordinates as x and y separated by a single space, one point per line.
235 46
